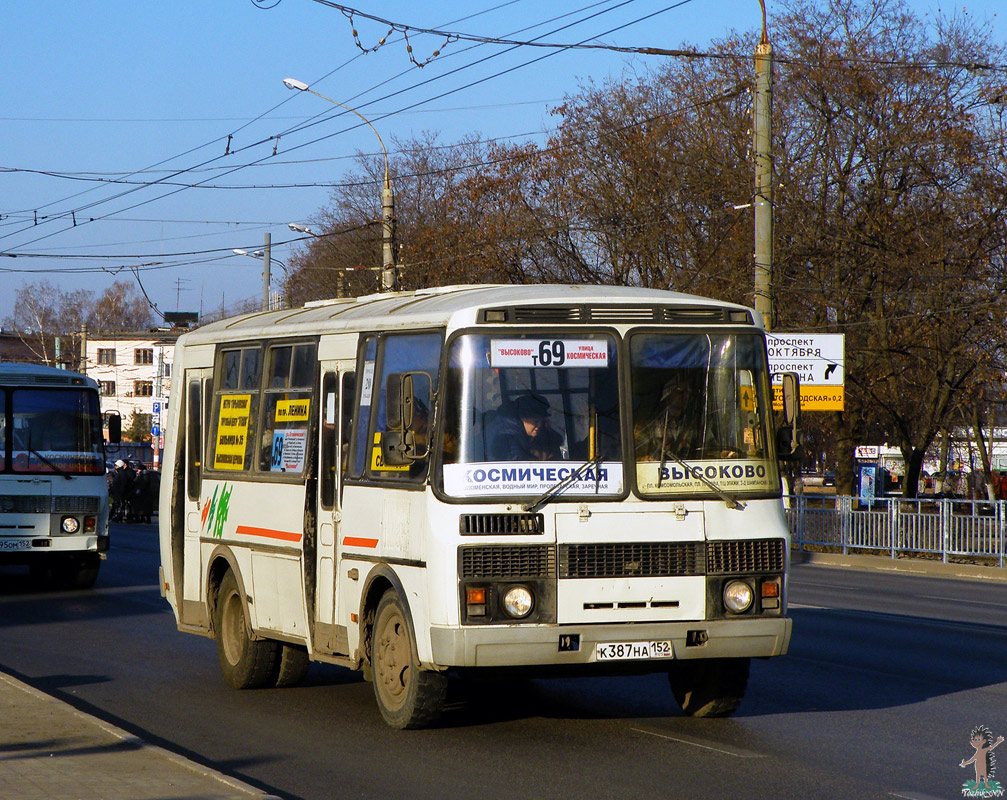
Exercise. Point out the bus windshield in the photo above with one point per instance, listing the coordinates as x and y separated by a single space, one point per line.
54 431
523 411
701 407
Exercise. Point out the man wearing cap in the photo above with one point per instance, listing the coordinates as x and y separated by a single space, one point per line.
522 432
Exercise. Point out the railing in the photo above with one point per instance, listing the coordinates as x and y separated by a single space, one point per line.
892 525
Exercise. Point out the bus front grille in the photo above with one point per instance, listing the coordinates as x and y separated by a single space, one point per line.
507 561
484 524
80 504
24 503
755 555
624 560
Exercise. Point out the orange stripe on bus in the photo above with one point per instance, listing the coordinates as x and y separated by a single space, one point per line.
353 541
268 533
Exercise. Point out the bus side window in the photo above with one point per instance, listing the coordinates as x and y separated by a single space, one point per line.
329 433
346 426
194 445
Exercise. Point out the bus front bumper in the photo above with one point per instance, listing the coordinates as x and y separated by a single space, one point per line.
517 645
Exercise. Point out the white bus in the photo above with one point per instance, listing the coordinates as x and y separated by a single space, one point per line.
53 492
476 477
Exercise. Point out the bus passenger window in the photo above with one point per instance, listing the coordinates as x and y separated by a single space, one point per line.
286 408
234 406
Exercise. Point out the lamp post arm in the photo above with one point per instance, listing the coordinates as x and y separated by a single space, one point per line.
384 151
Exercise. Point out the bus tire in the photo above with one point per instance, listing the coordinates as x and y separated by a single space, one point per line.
408 697
245 662
293 665
77 572
709 687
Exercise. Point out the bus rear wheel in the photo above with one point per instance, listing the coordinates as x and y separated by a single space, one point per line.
407 696
709 687
245 662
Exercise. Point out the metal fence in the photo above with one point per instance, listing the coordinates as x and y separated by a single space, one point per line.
944 527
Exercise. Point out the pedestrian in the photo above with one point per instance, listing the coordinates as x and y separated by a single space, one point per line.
143 497
121 491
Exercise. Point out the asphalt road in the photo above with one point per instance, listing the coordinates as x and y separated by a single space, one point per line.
886 676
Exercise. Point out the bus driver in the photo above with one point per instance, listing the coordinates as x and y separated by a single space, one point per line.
522 433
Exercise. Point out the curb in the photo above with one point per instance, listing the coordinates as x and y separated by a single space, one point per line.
904 566
65 708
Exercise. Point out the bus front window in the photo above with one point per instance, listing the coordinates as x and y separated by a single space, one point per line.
56 430
701 403
524 410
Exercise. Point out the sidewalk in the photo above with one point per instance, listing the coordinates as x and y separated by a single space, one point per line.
49 750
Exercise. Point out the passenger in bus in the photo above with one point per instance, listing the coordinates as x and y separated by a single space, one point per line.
521 432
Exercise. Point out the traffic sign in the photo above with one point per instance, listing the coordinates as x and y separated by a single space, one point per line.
818 359
155 430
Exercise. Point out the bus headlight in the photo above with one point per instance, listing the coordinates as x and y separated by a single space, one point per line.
70 525
518 602
738 597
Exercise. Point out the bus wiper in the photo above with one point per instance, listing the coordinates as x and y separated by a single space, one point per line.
731 501
48 463
558 487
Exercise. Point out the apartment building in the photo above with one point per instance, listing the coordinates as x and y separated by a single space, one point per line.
133 371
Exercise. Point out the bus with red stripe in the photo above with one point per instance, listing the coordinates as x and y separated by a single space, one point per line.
425 484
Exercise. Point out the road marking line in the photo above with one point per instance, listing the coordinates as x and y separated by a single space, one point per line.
960 600
738 753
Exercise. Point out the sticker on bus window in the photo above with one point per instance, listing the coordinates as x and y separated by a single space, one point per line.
532 477
749 475
232 431
289 448
367 386
551 353
293 410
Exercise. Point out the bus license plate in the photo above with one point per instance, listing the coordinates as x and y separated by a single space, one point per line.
8 545
625 651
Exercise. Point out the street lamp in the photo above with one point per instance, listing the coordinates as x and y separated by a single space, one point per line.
297 227
388 249
266 260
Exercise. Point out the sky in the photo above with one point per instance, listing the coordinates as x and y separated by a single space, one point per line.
137 139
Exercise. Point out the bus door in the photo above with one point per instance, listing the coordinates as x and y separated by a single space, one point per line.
185 553
335 410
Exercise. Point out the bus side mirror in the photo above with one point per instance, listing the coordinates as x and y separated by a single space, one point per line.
399 401
788 437
114 428
407 418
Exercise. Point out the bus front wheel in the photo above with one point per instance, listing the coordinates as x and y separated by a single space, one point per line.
76 572
246 663
407 696
709 687
292 666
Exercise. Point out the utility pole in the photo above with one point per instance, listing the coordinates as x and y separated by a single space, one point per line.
83 349
389 279
265 272
762 112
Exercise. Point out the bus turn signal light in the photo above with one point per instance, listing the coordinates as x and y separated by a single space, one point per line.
771 589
